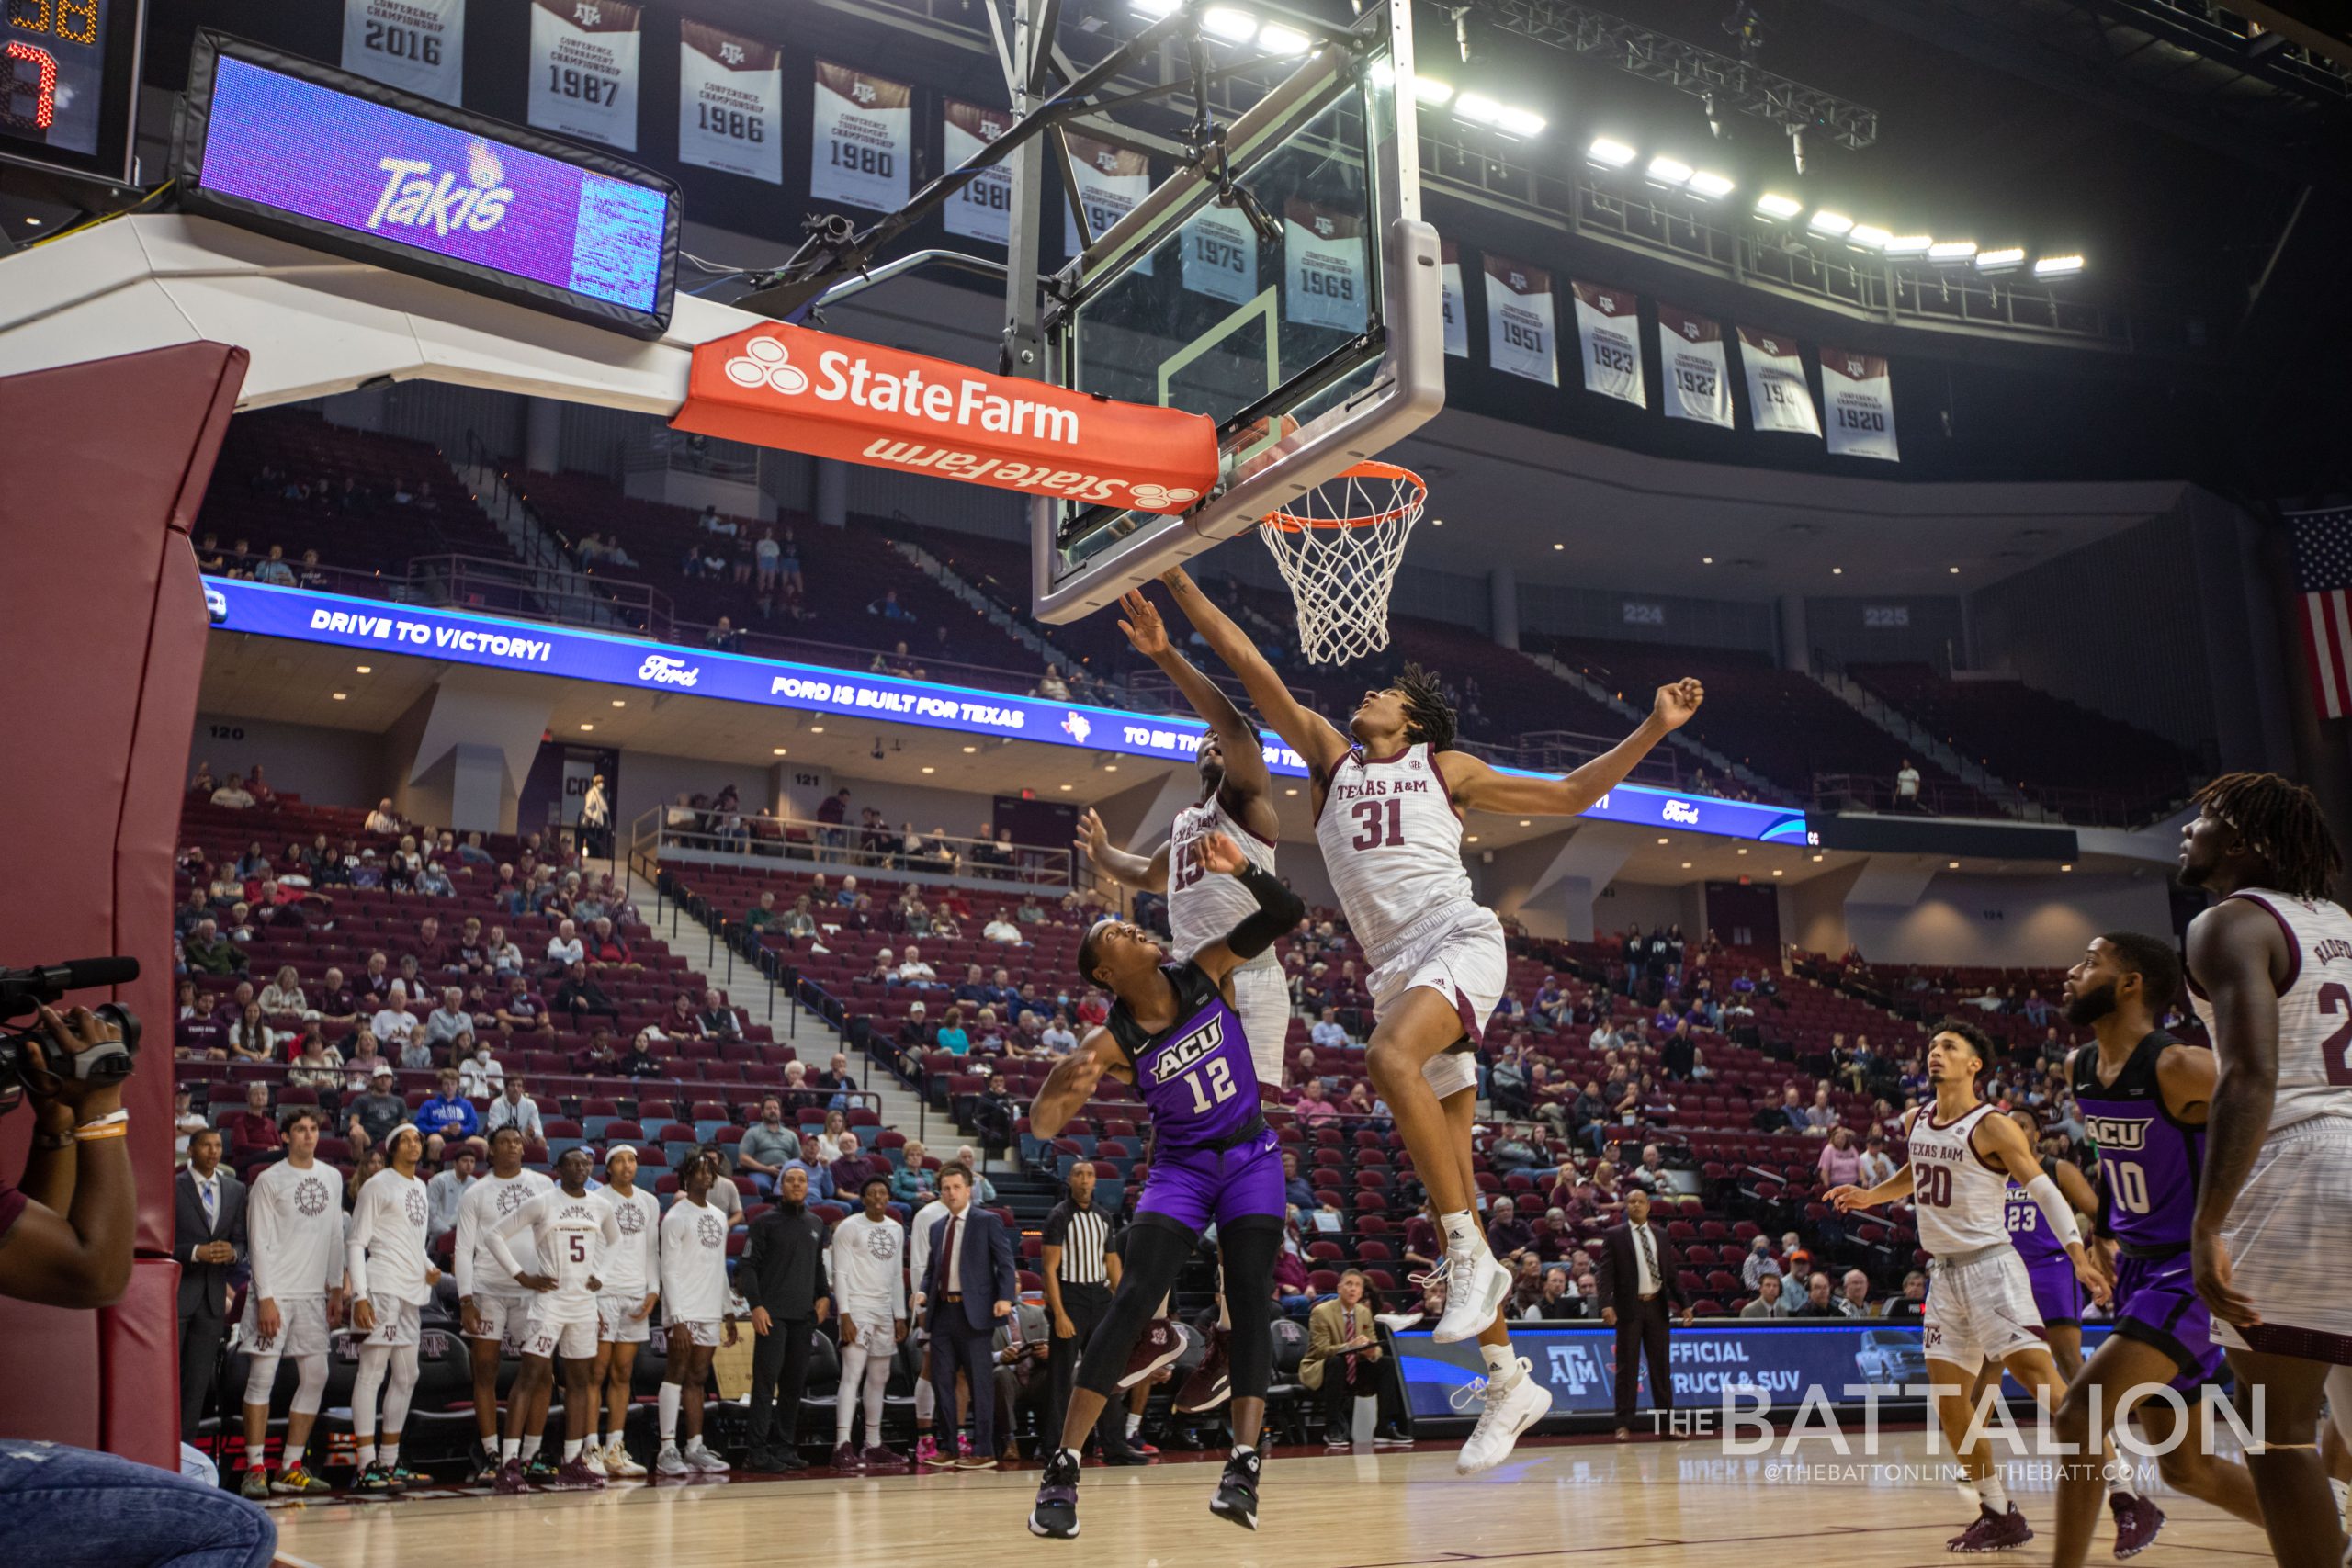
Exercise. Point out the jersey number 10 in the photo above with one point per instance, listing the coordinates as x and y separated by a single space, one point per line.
1217 1090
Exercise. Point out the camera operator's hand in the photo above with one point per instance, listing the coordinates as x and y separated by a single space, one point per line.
62 1101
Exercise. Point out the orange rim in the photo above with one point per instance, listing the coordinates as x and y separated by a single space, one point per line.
1371 468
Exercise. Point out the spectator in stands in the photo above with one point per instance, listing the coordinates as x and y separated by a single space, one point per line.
1769 1302
800 922
1507 1081
605 947
723 636
1854 1294
1557 1302
373 1115
383 819
767 1147
250 1037
1056 1037
762 914
913 971
639 1061
432 881
251 1134
852 1166
233 794
444 1192
580 996
993 1115
1907 786
1910 1306
207 951
522 1011
478 1070
1820 1301
1651 1175
1876 1164
1312 1109
284 994
1820 1117
447 1117
1003 929
450 1020
716 1021
828 1139
1507 1235
394 1025
888 607
1296 1191
375 982
516 1108
564 948
1051 686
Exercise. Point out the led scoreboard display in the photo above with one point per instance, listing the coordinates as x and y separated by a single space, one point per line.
69 85
276 142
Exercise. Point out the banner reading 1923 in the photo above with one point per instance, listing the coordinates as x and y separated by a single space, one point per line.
863 149
583 69
731 103
1609 328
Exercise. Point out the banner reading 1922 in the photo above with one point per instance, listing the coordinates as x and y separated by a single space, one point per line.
862 152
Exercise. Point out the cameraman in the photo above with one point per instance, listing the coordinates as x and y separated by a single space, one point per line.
65 1240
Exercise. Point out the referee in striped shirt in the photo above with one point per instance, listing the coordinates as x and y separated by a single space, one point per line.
1080 1273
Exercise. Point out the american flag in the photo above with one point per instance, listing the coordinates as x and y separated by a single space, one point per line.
2324 573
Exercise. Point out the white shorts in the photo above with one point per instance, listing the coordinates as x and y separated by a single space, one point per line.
562 1328
1463 958
301 1327
874 1320
507 1319
396 1321
1261 996
1980 1309
2287 1234
702 1331
617 1323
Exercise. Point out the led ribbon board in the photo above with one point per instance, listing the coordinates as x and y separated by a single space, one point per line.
322 158
265 610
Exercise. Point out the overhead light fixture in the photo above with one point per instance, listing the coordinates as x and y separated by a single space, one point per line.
1066 788
1110 767
1480 110
1908 244
1955 571
340 696
779 751
1559 547
1708 183
1831 223
1686 865
587 726
1152 10
2002 260
1522 123
1772 204
1951 250
1431 91
1292 789
1777 871
1869 234
1228 24
1276 38
1608 152
2065 868
1471 840
1816 860
1836 572
366 669
2057 267
620 702
816 729
928 768
1742 849
1706 560
1952 865
1666 840
970 750
1665 171
1526 822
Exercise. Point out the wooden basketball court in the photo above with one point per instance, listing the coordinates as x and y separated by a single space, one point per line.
1673 1504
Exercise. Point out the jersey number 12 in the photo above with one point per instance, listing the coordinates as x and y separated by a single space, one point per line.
1215 1092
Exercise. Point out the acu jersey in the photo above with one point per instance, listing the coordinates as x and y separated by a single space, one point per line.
2028 1227
2149 1164
1393 845
1204 905
1196 1075
2314 1006
1961 1202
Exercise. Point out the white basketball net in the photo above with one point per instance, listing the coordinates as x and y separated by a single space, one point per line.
1338 547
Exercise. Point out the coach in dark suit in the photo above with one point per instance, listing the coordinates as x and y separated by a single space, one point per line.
970 1283
1639 1285
208 1239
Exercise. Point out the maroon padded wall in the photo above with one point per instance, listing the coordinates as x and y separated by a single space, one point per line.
102 629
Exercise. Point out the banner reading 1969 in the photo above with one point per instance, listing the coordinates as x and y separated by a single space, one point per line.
262 609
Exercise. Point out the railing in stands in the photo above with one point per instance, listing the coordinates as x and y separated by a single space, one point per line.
1863 791
1564 750
755 840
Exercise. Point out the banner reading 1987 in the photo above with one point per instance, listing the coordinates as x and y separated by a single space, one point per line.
862 149
583 69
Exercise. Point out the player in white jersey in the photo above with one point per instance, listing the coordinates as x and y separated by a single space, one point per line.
1237 799
2270 972
390 1279
868 1266
695 1305
571 1229
494 1311
294 1235
1963 1154
1388 799
632 1276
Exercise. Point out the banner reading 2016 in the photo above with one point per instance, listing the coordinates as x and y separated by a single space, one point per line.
1609 327
1777 396
731 103
583 69
1520 320
983 208
1858 395
865 139
1690 356
418 46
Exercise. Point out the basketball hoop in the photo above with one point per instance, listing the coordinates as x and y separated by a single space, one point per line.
1339 546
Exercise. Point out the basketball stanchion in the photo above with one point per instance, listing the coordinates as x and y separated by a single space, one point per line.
1339 546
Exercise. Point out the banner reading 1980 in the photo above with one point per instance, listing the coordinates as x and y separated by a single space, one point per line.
863 145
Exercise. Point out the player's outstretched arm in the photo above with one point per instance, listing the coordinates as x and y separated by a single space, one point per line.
1309 734
1480 788
1279 909
1845 1199
1246 779
2001 1140
2231 949
1094 840
1073 1082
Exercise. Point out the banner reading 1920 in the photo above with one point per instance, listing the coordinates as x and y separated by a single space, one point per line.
731 103
863 149
583 69
1859 394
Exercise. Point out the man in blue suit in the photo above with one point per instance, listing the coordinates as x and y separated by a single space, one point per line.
970 1284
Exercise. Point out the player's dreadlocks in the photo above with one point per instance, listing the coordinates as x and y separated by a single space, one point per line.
2280 821
1427 715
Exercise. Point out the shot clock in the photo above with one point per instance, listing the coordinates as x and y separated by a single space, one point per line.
69 85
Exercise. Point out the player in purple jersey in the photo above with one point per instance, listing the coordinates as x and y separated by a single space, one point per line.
1173 1032
2143 1095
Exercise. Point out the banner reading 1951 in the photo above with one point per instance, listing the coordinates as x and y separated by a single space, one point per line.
863 149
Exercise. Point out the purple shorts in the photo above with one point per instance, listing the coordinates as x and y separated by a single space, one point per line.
2156 1303
1193 1187
2056 1296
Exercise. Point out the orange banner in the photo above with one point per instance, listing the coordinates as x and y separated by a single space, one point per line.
775 385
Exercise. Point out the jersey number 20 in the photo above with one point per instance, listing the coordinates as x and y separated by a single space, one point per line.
1217 1090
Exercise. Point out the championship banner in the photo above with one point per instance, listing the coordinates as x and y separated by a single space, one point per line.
1691 354
864 140
1220 253
1777 398
418 46
774 384
731 103
1609 326
1519 323
1110 180
1858 398
583 69
1323 266
1457 313
983 208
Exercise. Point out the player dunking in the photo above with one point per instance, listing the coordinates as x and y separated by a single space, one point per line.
1173 1032
570 1230
1237 799
1388 818
1964 1154
2142 1096
2270 971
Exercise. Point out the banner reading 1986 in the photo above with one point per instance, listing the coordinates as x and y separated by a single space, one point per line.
983 208
862 149
731 103
583 69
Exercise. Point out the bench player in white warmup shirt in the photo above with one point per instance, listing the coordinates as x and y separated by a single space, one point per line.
294 1235
1204 905
694 1305
495 1311
632 1277
392 1278
1963 1154
570 1230
2270 973
1388 798
868 1266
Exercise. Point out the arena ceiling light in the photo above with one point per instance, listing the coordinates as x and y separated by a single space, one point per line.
1908 244
2057 267
1830 224
1152 10
1772 204
1669 171
1870 236
1480 110
1710 184
2008 258
1608 152
1951 250
1277 40
1432 92
1228 24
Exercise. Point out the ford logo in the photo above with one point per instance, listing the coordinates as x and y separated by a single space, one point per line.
216 605
1681 811
663 671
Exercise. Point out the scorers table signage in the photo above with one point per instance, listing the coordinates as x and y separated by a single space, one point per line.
263 610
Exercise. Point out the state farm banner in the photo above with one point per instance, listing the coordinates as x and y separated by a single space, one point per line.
583 69
777 385
1220 255
1690 356
418 46
1777 398
1323 266
1110 180
864 140
1457 311
731 103
1609 325
1858 400
1520 320
983 208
